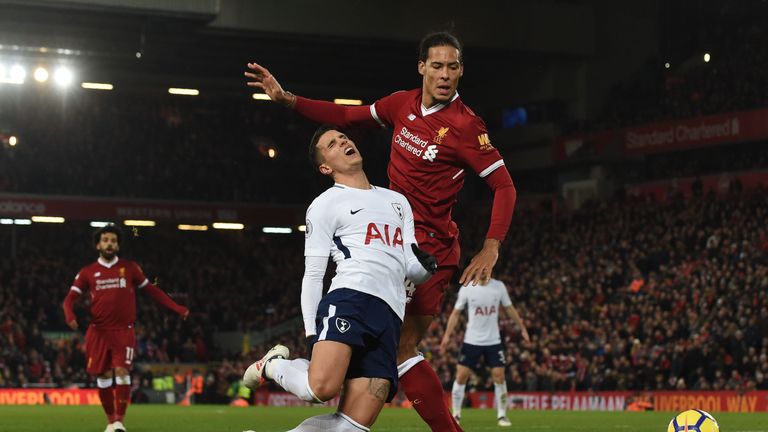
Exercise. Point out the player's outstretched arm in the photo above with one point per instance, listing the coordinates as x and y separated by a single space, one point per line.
69 312
259 77
453 320
160 297
511 312
315 110
505 195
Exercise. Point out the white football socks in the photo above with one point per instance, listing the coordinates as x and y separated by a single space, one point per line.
457 397
292 375
338 422
500 391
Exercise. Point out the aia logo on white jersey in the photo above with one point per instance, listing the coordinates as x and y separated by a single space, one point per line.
485 310
431 153
389 237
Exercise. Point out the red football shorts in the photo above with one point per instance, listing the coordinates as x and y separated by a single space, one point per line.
109 349
427 298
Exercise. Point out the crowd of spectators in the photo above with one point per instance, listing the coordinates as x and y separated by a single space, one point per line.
632 294
624 294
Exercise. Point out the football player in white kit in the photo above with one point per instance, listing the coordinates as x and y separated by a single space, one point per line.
482 338
368 231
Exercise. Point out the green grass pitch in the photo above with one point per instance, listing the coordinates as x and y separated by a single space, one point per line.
209 418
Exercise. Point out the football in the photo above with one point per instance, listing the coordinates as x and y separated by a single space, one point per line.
693 421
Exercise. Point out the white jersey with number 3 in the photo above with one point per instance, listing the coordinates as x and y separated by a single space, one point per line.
365 231
482 305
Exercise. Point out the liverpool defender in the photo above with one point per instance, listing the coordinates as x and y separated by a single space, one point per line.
111 285
436 141
368 231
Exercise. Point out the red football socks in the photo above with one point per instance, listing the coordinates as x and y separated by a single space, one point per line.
122 399
422 386
107 396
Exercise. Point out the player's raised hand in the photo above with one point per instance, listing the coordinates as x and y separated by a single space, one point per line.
72 324
261 78
480 268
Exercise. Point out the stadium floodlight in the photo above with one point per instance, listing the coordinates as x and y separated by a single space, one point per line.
666 65
707 57
276 230
41 74
228 226
97 86
12 141
99 224
261 96
63 76
186 227
139 222
302 228
271 152
6 221
340 101
22 222
184 91
48 219
15 75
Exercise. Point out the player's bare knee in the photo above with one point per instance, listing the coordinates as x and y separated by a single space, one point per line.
324 389
497 374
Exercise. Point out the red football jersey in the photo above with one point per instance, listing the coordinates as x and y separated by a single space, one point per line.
431 150
112 290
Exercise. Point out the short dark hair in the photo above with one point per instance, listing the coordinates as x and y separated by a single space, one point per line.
111 228
313 156
437 39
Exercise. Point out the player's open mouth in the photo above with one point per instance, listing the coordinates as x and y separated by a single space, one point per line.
349 151
444 89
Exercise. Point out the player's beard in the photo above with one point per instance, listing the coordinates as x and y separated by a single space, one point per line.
108 255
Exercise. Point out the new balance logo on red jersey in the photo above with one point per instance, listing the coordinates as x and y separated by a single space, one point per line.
374 233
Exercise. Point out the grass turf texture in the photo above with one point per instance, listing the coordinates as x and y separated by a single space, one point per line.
209 418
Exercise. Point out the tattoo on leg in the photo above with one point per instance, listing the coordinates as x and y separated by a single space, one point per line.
379 388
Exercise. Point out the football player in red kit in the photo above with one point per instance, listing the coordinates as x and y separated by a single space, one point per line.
436 140
111 284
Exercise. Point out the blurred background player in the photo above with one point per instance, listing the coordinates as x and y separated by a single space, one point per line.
482 339
368 231
110 340
436 139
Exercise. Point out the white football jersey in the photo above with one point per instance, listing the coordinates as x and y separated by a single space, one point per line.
365 231
482 304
